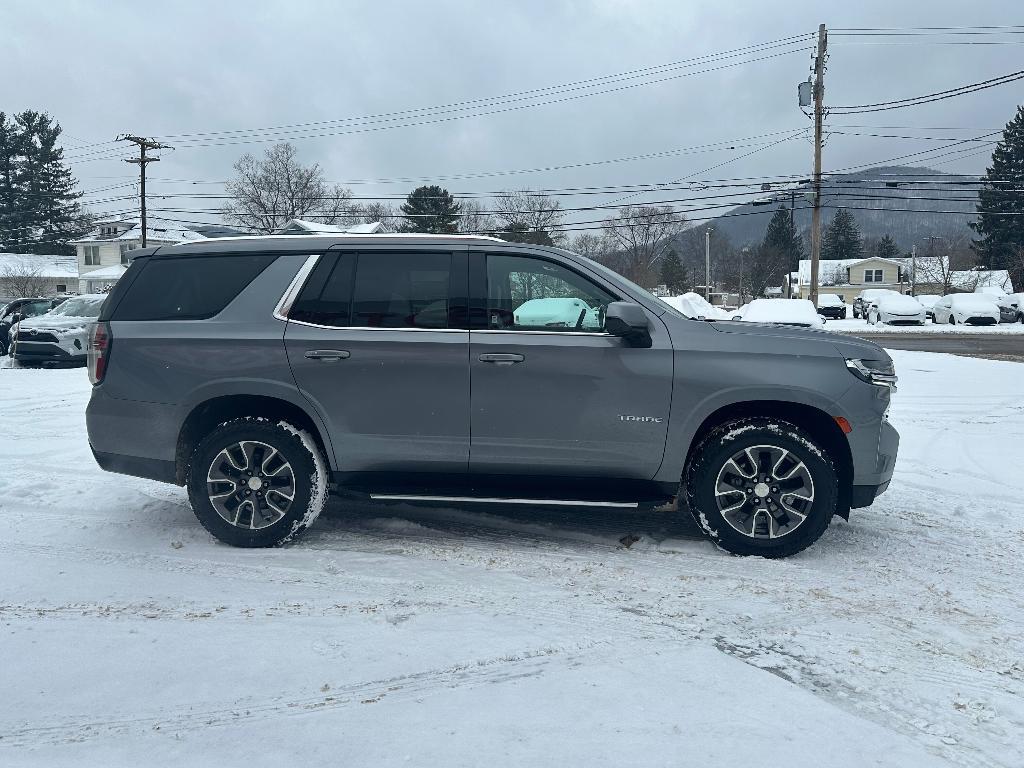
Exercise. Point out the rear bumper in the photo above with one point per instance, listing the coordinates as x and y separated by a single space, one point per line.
151 469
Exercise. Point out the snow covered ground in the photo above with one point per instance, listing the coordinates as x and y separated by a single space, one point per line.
861 327
404 636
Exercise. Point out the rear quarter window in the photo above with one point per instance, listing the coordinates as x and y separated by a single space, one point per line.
188 288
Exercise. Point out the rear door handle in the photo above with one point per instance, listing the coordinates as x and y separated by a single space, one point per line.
327 355
502 358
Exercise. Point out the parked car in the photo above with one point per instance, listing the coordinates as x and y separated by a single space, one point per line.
59 336
261 372
864 298
1011 308
797 312
18 310
928 302
969 308
995 291
831 305
896 309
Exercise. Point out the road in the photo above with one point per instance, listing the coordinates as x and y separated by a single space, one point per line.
990 346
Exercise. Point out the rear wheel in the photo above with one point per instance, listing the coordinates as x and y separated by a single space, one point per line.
256 483
761 486
952 320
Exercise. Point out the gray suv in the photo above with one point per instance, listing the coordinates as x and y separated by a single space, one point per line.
264 373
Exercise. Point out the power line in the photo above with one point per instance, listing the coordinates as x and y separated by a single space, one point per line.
929 97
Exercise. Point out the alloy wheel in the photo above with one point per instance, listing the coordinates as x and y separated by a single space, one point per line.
764 491
250 484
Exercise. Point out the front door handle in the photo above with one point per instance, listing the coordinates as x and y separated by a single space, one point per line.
327 355
502 358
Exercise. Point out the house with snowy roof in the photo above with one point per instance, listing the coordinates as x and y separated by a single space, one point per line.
23 275
303 227
104 254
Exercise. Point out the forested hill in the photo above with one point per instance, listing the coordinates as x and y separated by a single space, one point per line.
879 208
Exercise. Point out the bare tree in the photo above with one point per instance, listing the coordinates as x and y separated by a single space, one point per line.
24 278
268 192
524 216
943 258
475 219
374 212
592 246
642 234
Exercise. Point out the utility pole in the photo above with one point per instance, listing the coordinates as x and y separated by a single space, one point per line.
792 227
707 264
142 161
913 269
819 109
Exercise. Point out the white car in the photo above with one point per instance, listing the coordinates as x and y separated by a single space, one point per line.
966 308
927 302
896 308
61 335
558 313
1011 308
800 312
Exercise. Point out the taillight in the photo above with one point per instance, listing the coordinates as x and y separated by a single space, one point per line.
99 351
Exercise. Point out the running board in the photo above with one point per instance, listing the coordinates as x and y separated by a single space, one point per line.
490 500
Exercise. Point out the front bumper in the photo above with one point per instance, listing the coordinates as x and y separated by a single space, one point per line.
40 352
869 484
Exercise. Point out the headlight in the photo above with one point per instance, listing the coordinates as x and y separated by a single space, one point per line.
878 372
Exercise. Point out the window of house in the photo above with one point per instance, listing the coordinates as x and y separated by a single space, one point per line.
92 255
532 294
872 276
62 288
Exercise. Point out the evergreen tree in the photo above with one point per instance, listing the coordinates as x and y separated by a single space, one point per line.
673 274
39 210
431 209
887 248
1001 204
520 233
781 236
842 238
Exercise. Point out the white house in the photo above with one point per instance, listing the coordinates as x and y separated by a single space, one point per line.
32 274
104 254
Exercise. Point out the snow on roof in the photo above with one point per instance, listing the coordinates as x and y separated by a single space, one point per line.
313 227
113 272
44 265
133 231
996 278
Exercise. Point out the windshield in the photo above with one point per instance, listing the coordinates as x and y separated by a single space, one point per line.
82 306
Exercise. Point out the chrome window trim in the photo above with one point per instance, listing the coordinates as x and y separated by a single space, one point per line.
545 333
291 293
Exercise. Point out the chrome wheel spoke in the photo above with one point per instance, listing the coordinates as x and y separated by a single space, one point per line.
251 485
764 491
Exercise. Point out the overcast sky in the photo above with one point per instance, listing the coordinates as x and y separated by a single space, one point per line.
165 69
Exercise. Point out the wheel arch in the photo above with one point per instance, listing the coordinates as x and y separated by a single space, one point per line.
816 422
208 414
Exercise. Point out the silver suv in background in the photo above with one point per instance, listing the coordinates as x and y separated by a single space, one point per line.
265 373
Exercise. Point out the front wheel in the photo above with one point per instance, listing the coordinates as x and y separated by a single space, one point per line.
761 486
256 483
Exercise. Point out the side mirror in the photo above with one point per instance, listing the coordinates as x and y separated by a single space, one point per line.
629 321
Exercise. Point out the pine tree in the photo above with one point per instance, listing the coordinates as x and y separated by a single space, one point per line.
842 238
431 209
781 236
39 210
887 248
1001 205
673 274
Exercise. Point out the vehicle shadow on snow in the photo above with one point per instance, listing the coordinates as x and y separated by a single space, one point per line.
512 524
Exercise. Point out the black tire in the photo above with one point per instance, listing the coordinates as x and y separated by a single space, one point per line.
952 320
306 468
711 458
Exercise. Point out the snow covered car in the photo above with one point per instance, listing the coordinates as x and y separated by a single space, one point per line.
558 313
1011 308
966 308
694 305
61 335
18 310
799 312
865 297
927 302
831 305
896 309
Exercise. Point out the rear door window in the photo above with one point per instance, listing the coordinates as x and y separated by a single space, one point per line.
378 290
189 288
